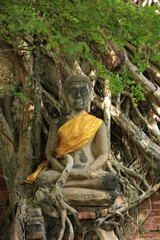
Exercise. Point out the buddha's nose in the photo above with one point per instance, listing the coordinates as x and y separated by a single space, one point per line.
78 93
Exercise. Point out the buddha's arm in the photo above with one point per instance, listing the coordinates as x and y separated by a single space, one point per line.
100 149
100 152
50 148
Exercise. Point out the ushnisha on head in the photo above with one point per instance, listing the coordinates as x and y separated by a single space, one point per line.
77 93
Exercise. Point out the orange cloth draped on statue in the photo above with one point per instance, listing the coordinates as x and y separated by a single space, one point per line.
76 133
32 177
71 136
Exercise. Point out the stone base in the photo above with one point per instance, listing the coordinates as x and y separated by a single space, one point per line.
91 212
48 228
35 228
92 232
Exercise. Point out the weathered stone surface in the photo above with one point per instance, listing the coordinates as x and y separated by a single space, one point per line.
87 184
90 197
102 181
106 235
48 177
110 181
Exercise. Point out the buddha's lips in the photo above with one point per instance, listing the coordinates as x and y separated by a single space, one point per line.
79 102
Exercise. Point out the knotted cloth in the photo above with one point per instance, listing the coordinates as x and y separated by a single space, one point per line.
71 136
77 132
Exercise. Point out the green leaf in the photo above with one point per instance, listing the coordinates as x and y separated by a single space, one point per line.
48 47
6 178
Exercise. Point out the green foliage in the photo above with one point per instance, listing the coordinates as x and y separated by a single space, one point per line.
130 85
137 93
116 83
10 90
34 203
102 72
62 23
22 179
82 28
142 65
5 177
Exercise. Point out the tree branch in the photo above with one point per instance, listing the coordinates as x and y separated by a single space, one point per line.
148 87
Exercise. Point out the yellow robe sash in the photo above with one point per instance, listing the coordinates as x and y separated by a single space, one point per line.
32 177
76 133
71 136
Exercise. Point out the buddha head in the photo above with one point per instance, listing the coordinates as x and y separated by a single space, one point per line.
77 92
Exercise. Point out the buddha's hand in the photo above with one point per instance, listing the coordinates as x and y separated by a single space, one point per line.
81 173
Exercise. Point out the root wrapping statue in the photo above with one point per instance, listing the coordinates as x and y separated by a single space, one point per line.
82 138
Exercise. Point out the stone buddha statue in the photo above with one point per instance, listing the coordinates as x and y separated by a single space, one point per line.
82 137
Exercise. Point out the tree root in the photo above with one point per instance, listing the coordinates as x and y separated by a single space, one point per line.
71 231
49 210
56 199
150 150
52 100
154 131
130 205
63 219
131 172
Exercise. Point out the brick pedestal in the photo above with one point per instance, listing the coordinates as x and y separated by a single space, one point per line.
148 216
35 228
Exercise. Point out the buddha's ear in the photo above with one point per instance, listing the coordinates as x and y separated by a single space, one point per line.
89 102
67 108
89 107
63 95
65 102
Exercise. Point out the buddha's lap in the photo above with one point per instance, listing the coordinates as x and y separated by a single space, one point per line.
101 181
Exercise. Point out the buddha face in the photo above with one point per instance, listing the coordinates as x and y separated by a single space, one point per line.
78 95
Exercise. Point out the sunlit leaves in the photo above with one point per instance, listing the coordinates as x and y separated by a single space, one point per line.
79 20
115 81
82 28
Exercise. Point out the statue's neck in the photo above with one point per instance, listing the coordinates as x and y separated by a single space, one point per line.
75 113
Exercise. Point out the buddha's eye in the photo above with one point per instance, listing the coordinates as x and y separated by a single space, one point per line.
84 91
73 91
